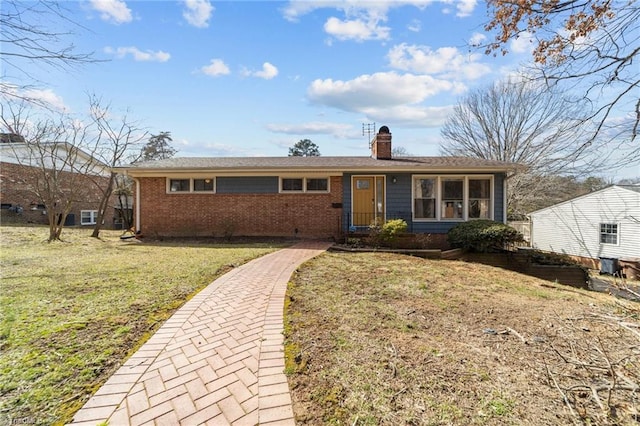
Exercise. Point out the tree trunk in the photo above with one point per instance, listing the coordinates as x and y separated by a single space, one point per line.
124 211
57 218
104 202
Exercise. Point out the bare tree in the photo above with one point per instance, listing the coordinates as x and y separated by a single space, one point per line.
520 122
119 139
27 41
56 161
400 151
587 46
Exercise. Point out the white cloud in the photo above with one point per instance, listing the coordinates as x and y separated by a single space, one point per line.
465 7
522 44
362 19
445 61
215 68
477 39
410 116
268 72
198 12
415 26
356 29
44 96
313 128
294 9
115 11
380 90
139 55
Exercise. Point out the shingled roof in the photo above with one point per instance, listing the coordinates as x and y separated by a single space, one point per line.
341 164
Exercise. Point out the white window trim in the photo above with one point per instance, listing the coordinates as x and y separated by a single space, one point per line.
617 234
465 198
304 185
465 195
491 196
413 198
191 185
92 220
290 191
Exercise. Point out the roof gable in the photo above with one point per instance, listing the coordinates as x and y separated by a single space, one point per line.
53 155
633 188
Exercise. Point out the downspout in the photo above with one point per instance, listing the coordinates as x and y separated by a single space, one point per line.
137 204
505 187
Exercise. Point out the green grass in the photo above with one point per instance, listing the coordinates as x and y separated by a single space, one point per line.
71 312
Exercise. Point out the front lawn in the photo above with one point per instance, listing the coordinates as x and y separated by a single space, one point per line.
71 312
385 339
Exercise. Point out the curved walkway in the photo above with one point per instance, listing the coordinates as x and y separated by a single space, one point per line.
218 360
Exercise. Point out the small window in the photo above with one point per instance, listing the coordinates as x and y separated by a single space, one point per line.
292 184
362 183
5 206
203 185
179 185
88 217
609 233
317 184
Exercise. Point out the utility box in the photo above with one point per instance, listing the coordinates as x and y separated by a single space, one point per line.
609 266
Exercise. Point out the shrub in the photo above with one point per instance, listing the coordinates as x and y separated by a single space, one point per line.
354 242
547 258
482 236
385 233
392 228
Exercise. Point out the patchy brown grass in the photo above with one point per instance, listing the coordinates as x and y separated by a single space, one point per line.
387 339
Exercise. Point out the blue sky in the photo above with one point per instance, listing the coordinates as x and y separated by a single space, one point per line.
240 78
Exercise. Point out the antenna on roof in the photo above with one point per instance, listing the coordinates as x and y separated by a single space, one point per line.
368 128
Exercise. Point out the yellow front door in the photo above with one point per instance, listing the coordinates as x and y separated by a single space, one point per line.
368 200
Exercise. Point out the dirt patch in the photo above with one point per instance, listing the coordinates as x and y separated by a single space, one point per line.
387 339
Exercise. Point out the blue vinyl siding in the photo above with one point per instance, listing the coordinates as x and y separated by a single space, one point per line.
247 185
399 201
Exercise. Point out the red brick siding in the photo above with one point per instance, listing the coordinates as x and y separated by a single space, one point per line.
276 215
15 190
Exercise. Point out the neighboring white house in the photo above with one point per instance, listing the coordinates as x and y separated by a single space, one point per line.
604 223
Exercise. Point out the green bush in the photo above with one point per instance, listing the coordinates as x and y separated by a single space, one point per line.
392 228
482 236
385 234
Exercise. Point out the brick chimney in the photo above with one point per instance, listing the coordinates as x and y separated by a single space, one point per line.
381 144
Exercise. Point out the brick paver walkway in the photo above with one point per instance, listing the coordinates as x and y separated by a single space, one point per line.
218 360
